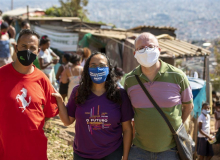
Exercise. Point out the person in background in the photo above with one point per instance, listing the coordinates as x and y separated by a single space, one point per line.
84 53
24 25
0 18
26 103
64 82
204 148
73 73
119 74
102 112
11 29
217 116
47 58
5 55
215 99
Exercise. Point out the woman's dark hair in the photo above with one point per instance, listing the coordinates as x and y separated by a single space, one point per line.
24 23
84 90
75 58
44 39
67 56
118 71
4 25
8 19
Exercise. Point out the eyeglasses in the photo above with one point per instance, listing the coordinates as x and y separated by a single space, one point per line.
100 65
148 48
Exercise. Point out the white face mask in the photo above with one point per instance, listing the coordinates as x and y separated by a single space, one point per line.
148 58
205 111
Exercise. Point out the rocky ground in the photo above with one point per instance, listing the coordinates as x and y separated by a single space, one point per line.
60 139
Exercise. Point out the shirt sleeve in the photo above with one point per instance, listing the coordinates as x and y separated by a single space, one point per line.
50 106
186 91
200 119
127 112
71 105
50 50
41 54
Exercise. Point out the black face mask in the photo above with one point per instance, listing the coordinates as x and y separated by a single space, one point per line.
26 57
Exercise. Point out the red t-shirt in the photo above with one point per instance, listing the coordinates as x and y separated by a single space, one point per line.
25 100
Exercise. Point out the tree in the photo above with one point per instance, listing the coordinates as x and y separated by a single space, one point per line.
70 8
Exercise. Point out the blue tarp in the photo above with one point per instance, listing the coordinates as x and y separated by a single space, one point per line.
199 94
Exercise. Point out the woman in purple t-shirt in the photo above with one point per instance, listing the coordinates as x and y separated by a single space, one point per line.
102 111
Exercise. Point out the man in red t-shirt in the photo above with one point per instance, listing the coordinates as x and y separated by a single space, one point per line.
25 104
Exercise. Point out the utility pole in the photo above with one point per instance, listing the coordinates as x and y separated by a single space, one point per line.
27 13
11 4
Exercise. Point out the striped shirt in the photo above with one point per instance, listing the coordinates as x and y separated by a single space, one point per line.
170 89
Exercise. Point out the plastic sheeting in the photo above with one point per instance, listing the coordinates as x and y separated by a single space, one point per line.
89 39
199 94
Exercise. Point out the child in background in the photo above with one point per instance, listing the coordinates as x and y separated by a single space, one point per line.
119 74
204 148
217 116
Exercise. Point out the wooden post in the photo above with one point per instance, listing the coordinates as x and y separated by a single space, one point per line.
195 136
204 68
207 78
27 13
80 24
11 4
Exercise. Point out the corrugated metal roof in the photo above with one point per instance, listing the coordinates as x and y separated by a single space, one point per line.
153 27
21 11
170 47
117 34
178 48
65 19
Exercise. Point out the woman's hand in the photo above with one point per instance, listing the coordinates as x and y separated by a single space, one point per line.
65 118
58 97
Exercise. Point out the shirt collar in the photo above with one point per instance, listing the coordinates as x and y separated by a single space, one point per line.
164 67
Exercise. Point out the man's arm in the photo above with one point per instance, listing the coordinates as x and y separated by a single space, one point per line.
186 110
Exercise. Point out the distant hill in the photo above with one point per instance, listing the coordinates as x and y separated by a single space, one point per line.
194 19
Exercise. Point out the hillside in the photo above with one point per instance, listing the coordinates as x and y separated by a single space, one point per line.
194 19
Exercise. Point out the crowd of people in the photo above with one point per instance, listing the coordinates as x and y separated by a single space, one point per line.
100 106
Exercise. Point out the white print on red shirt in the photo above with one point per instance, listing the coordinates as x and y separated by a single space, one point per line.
97 122
22 97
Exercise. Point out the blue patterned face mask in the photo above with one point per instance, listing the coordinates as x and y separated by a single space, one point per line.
99 74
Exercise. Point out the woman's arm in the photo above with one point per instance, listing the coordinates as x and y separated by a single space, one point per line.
127 138
60 70
12 31
54 54
42 66
65 118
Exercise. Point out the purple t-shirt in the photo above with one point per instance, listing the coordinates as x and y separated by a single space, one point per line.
98 124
